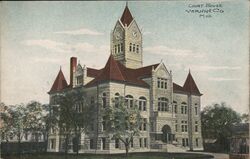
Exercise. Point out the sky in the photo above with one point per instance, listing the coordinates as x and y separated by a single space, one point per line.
37 38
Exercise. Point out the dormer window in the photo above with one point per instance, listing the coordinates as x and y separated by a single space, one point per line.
79 80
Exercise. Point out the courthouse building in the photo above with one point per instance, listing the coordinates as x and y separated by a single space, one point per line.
171 112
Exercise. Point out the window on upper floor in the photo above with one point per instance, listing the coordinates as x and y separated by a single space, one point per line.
163 104
121 46
142 104
104 100
162 83
184 126
175 107
79 80
133 47
183 108
129 101
119 49
115 49
176 125
117 96
196 126
137 48
130 47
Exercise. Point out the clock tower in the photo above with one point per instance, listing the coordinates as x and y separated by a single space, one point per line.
126 41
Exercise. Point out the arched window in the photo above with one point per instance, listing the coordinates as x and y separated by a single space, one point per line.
183 108
130 47
143 104
129 101
163 104
104 100
119 49
117 95
137 48
121 46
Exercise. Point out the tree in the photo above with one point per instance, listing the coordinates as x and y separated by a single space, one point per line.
17 114
245 118
49 120
122 122
33 120
74 116
5 126
217 121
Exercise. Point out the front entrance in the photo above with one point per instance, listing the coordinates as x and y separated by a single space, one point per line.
167 136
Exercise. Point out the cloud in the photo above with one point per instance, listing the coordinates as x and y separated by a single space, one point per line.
48 44
211 68
67 48
147 33
222 79
164 50
82 31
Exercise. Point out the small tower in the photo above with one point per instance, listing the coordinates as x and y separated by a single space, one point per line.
126 41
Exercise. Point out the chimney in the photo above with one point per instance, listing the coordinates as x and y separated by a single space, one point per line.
73 63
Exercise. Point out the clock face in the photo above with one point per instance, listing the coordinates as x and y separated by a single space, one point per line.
134 33
118 33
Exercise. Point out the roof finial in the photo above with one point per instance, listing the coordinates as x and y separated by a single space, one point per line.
126 3
60 67
189 71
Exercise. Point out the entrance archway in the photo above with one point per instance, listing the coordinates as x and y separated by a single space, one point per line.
167 136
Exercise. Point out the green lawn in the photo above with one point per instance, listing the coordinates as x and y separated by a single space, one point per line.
147 155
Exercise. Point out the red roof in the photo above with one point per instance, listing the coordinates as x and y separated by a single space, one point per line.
115 71
60 83
91 72
126 18
190 85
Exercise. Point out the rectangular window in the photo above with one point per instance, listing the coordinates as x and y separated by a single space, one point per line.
145 142
115 49
196 126
132 143
162 83
185 109
130 47
182 109
53 143
183 143
116 143
144 124
158 83
165 85
175 108
121 46
133 47
91 144
196 110
140 142
103 143
187 142
197 142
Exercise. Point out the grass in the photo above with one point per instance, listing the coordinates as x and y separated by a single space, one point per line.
145 155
